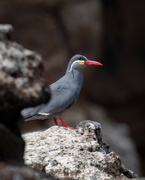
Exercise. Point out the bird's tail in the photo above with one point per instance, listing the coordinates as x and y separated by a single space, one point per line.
32 113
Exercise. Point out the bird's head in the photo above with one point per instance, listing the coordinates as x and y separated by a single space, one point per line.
79 62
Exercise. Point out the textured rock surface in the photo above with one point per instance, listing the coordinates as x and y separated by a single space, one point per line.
74 153
21 74
21 84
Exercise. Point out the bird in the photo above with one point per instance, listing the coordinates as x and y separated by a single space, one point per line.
63 93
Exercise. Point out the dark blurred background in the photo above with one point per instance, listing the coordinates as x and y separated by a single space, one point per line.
110 31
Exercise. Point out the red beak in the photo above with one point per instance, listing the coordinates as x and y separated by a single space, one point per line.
89 62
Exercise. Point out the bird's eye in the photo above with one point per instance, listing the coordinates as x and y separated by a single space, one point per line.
81 58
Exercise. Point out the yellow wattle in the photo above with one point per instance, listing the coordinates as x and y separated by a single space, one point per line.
81 62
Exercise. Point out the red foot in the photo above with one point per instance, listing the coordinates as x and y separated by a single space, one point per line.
69 127
64 125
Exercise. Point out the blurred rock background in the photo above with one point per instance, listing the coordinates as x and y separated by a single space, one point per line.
111 32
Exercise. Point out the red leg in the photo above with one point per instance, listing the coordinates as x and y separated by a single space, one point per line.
64 125
55 120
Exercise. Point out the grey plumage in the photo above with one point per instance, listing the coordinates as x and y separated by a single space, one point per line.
64 92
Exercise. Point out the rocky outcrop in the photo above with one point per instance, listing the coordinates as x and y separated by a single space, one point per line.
21 85
79 153
21 74
118 135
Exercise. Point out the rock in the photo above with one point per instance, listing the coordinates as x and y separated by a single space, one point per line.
21 85
5 31
92 130
114 132
22 173
12 147
78 153
21 76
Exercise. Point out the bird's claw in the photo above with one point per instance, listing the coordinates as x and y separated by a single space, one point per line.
69 127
